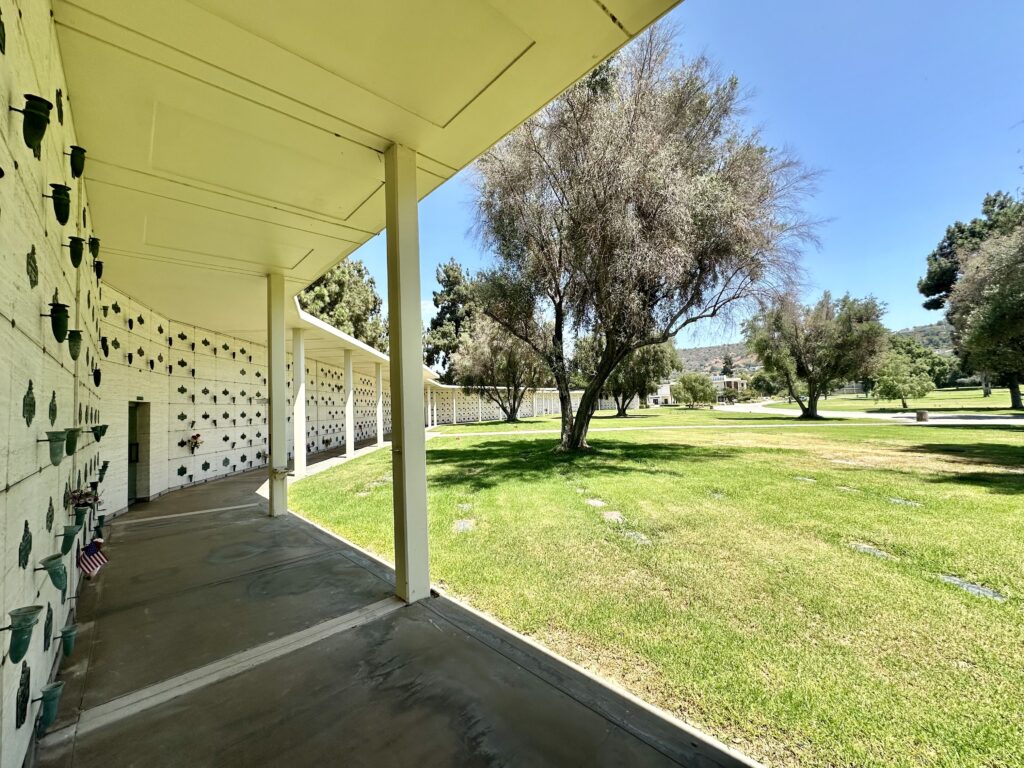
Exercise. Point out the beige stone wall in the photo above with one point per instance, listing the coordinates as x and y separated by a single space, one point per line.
35 265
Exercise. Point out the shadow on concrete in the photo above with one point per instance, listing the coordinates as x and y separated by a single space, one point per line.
429 684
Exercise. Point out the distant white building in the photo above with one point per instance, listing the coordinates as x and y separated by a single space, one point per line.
722 382
663 396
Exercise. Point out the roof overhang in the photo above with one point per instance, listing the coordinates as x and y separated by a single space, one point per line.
325 343
229 139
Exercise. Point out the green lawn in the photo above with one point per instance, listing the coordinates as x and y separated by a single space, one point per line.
730 594
664 416
939 400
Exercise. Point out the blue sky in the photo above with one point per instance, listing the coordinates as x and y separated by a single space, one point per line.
911 110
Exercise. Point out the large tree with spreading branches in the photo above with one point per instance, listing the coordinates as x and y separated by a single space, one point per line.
633 206
639 374
495 365
819 346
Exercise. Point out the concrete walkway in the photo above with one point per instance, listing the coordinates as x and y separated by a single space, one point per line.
935 418
842 419
218 636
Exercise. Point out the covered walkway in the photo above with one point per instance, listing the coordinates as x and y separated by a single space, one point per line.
220 636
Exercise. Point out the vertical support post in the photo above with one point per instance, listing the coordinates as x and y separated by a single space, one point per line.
350 407
408 438
534 414
278 464
299 402
378 375
479 408
455 406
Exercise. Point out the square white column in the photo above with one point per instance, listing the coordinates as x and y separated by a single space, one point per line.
350 406
378 376
278 416
299 402
408 438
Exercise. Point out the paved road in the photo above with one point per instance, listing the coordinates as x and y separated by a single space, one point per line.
934 419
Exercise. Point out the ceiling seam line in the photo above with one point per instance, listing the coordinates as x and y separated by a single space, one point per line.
260 86
234 194
237 215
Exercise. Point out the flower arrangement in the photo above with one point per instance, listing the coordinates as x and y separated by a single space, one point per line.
83 497
194 442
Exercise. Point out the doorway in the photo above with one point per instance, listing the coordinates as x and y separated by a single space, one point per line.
138 444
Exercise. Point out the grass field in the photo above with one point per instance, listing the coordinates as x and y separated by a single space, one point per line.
664 416
939 400
729 593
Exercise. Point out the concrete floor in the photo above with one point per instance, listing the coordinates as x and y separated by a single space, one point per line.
227 638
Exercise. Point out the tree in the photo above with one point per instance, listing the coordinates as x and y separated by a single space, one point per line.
495 365
727 365
346 297
640 372
901 376
987 307
634 205
938 367
764 385
823 345
693 389
1002 216
456 307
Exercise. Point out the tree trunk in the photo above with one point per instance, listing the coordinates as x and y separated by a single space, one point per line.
811 411
791 387
621 403
904 401
577 438
986 386
1013 381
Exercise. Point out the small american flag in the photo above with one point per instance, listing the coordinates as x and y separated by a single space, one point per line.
92 558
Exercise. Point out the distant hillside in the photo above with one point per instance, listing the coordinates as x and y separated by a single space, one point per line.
709 359
937 336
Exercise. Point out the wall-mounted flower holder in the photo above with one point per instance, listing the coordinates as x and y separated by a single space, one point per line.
58 320
94 251
97 267
56 439
61 197
67 638
74 344
71 440
94 486
54 567
50 699
105 346
96 376
67 539
36 116
100 522
77 162
80 514
98 431
77 247
23 620
103 470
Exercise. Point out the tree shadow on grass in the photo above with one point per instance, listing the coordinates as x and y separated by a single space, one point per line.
997 454
483 465
981 454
